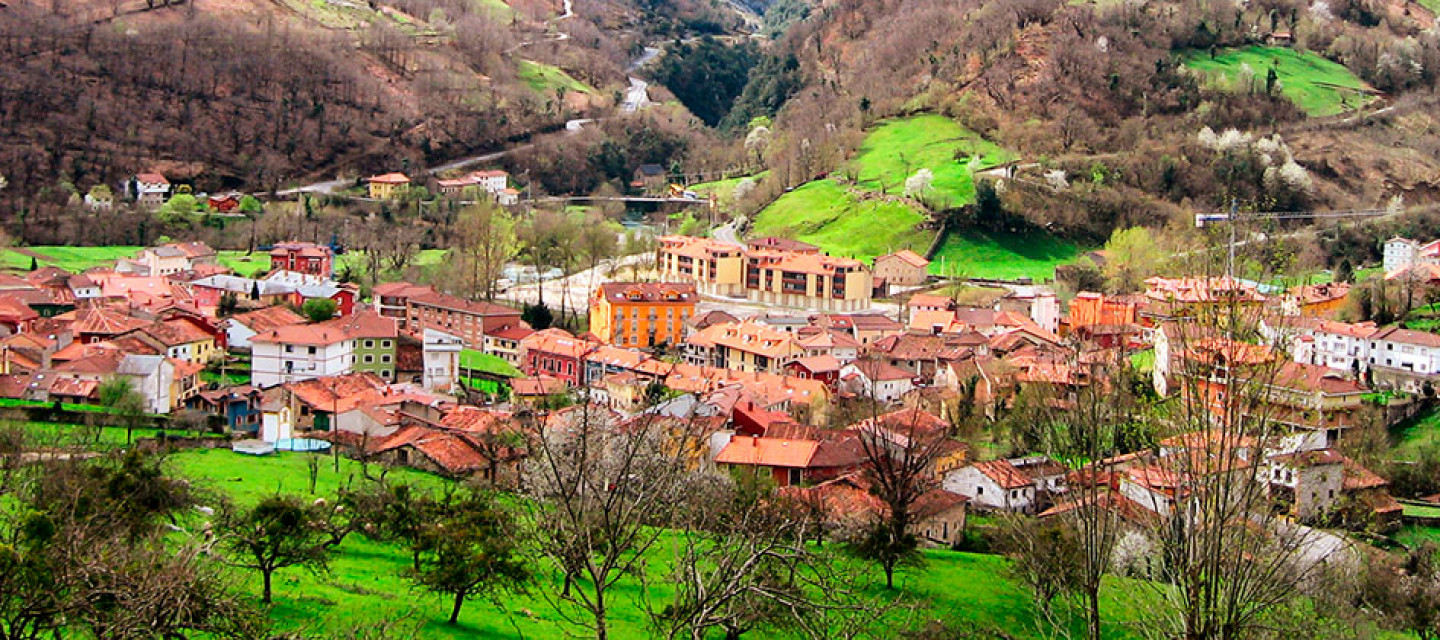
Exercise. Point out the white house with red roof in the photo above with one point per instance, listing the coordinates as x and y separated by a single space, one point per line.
149 189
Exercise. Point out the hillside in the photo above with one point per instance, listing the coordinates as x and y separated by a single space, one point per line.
1101 105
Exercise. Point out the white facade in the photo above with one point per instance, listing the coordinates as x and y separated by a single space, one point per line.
1399 254
1396 349
152 377
1338 350
237 335
986 493
441 360
884 391
273 363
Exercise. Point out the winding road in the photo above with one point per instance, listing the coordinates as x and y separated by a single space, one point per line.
636 97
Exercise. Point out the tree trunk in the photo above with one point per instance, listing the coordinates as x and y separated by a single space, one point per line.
1092 598
265 594
415 558
601 633
889 575
455 610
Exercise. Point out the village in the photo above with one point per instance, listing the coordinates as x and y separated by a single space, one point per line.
421 378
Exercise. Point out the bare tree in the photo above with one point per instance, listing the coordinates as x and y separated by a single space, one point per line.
603 494
899 451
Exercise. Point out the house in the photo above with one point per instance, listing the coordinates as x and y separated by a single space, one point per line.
824 368
441 354
1185 297
210 291
1032 301
903 268
1018 484
865 328
388 185
504 342
238 405
536 389
1089 308
153 377
493 180
300 352
771 243
745 346
877 380
650 178
1404 358
96 324
164 260
938 515
556 353
241 327
1315 300
899 430
828 342
791 462
375 343
771 276
305 257
149 189
508 197
82 287
631 313
811 281
179 339
1403 253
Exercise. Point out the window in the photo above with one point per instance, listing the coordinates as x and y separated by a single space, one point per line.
385 358
289 348
385 373
369 344
384 344
795 476
369 359
312 350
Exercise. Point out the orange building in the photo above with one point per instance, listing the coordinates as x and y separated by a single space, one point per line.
1090 308
640 314
1316 300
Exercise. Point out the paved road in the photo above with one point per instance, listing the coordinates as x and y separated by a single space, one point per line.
726 233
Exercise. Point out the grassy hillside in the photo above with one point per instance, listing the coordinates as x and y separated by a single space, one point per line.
843 222
986 254
546 78
896 149
861 222
365 583
1318 86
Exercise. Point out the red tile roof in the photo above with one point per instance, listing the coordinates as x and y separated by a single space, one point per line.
908 257
768 452
389 178
1004 474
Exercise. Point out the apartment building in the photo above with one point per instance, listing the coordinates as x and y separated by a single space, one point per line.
638 314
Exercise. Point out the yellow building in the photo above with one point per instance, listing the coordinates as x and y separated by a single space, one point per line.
715 267
743 346
813 281
642 314
386 186
785 275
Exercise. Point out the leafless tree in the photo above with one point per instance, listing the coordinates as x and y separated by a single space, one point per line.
899 452
603 493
